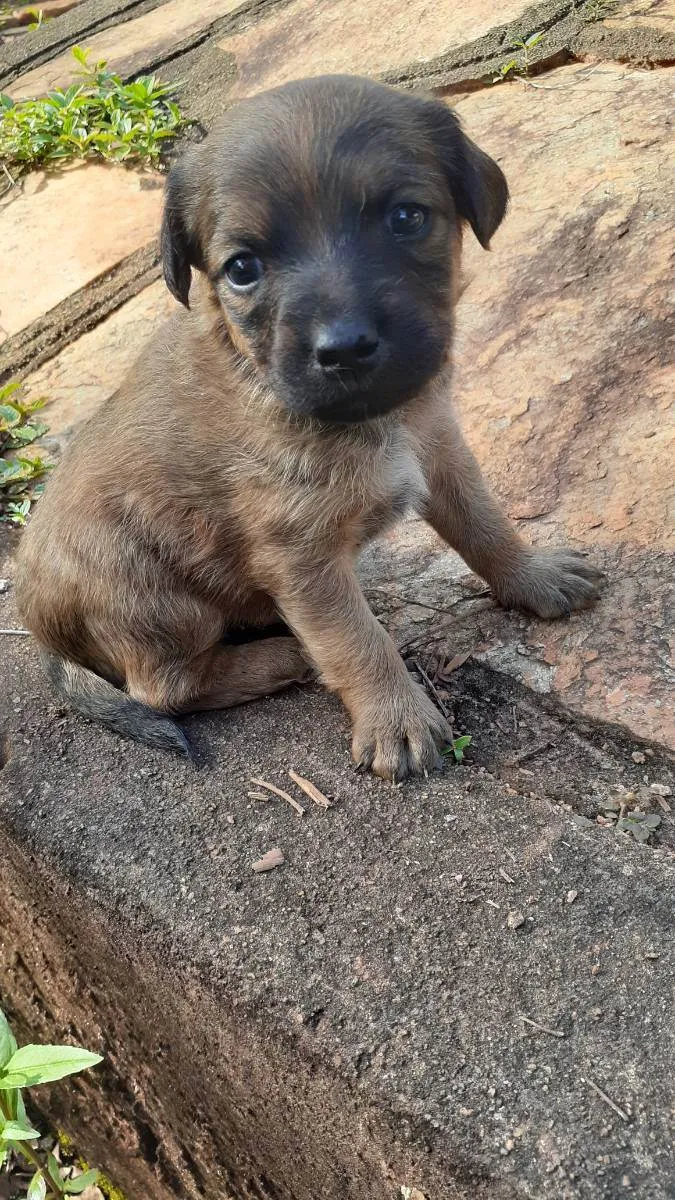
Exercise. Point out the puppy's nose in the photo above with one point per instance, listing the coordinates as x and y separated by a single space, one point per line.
346 345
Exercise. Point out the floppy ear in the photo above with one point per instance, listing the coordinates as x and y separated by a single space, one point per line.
179 240
478 186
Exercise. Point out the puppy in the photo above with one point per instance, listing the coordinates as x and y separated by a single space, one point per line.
293 410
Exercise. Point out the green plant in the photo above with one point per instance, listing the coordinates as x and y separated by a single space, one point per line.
21 476
625 819
38 16
458 746
597 10
27 1066
99 116
521 64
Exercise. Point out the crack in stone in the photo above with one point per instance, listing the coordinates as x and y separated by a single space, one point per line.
66 322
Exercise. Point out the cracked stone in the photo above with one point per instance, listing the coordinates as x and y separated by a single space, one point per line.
315 38
84 374
52 238
129 46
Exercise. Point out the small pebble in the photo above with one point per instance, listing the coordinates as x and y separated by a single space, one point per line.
515 919
661 789
273 858
5 585
637 756
571 896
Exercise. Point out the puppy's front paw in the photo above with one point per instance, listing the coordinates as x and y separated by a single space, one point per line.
400 736
552 583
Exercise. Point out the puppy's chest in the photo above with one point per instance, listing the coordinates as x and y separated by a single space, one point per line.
348 496
396 486
404 479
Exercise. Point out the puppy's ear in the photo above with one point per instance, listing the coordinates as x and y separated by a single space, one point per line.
478 186
180 242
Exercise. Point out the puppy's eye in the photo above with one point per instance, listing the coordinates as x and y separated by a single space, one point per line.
244 271
408 220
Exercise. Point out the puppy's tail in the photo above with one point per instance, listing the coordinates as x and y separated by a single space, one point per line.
95 698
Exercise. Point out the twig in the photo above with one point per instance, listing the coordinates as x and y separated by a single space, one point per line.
432 689
542 1028
257 796
270 787
405 600
505 877
603 1096
453 664
12 180
16 632
436 636
531 752
310 790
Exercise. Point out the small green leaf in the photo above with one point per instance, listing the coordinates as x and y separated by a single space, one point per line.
458 746
54 1173
43 1064
37 1188
17 1131
7 1040
10 415
19 1109
9 389
73 1187
81 56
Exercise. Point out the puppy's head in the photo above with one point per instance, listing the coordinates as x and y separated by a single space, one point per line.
325 214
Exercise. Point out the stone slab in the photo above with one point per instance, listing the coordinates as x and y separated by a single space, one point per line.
79 379
310 38
24 14
353 1022
61 230
564 386
130 46
642 33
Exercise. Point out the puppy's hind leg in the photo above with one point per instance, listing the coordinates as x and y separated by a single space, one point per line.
228 675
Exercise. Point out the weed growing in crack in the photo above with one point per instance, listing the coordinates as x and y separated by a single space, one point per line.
98 117
27 1066
520 65
597 10
21 475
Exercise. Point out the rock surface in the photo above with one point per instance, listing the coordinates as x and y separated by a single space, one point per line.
289 1034
54 241
129 48
309 38
89 370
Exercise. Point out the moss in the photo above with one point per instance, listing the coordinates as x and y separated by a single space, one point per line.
109 1190
66 1143
103 1183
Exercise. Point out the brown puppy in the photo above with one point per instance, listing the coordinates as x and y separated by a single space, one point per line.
296 410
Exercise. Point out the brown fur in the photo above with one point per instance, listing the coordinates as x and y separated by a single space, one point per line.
228 483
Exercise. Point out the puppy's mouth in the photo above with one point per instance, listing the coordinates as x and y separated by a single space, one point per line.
346 396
